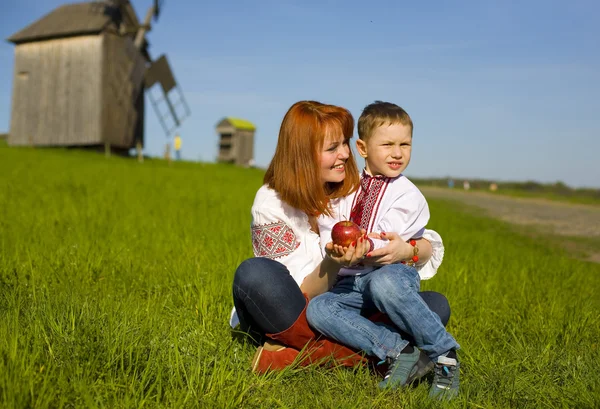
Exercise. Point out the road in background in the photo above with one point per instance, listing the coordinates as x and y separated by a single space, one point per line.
565 219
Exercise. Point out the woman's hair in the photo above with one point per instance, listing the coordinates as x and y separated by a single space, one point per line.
295 170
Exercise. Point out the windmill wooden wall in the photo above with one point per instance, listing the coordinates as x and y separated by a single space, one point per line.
76 91
123 110
57 92
73 80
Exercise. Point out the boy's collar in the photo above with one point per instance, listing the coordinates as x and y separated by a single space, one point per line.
366 174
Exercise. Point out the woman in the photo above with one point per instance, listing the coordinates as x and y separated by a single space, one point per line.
312 165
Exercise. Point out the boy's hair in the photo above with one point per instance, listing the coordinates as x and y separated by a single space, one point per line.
295 170
381 113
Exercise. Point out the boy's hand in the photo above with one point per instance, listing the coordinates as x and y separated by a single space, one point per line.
394 252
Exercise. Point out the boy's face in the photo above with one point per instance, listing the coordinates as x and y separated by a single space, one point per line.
387 151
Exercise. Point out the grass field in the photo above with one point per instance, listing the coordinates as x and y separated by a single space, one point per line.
557 192
115 292
574 198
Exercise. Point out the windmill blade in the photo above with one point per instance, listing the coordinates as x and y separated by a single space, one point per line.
166 107
170 106
157 8
160 71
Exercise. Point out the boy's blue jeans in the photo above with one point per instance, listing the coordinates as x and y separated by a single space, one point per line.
393 289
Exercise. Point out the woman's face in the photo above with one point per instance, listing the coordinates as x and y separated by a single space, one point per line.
334 155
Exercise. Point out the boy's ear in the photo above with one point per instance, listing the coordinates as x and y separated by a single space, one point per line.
361 147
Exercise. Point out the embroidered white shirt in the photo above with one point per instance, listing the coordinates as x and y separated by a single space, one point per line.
283 233
388 205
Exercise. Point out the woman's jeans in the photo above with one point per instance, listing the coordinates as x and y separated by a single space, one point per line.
268 300
392 289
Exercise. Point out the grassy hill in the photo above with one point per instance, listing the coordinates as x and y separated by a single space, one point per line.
115 291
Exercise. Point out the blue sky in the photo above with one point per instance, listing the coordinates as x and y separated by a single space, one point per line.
506 90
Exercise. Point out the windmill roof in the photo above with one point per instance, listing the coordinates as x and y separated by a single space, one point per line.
68 20
238 123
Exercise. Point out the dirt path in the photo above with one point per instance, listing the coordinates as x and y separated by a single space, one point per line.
549 216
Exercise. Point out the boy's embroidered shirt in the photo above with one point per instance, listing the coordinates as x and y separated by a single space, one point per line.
381 204
367 200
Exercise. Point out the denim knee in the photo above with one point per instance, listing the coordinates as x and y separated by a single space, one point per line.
437 303
253 271
395 281
318 311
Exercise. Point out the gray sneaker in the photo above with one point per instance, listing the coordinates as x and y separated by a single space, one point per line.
446 380
405 369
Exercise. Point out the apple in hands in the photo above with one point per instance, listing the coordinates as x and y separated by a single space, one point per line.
344 233
349 243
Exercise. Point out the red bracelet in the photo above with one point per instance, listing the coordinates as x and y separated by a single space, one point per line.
413 260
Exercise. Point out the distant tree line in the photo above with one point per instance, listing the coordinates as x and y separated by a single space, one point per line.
558 188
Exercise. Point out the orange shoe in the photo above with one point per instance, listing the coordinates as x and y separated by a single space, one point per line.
315 347
273 356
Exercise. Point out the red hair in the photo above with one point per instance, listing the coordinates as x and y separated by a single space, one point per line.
295 170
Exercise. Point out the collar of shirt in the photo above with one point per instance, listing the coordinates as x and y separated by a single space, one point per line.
366 178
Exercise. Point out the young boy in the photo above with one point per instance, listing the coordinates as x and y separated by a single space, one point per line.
386 201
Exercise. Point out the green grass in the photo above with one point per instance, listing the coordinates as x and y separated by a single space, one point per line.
528 190
115 291
573 198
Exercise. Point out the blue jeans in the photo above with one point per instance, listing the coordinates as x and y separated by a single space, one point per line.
393 289
266 297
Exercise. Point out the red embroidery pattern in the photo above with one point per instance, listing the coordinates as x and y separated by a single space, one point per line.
273 240
362 211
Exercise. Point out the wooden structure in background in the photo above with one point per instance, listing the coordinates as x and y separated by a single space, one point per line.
79 78
236 141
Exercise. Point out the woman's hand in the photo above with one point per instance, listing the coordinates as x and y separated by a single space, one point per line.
397 250
349 256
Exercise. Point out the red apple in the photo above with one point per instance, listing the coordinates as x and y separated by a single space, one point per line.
344 233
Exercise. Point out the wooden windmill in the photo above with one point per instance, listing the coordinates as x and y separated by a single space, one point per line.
80 76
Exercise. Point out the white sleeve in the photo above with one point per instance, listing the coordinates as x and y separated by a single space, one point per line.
326 223
407 216
272 235
325 233
429 269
